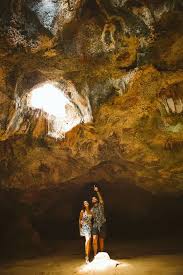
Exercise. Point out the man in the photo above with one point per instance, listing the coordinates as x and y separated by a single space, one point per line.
99 222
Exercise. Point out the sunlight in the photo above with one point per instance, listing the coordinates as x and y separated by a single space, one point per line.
50 99
61 113
101 262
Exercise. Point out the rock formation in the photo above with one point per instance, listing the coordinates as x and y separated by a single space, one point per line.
119 66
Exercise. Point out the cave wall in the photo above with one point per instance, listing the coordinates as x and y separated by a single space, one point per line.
124 60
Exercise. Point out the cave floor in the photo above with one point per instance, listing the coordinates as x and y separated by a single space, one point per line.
134 257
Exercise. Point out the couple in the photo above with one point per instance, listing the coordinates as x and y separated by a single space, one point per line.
92 224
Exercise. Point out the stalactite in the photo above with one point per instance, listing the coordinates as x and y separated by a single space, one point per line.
109 29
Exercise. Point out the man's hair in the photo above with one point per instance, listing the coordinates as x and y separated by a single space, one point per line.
94 196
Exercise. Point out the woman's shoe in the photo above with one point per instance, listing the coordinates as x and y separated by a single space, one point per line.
87 260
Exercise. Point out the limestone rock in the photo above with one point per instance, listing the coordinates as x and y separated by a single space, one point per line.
118 66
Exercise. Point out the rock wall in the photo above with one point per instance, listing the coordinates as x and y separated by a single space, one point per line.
120 65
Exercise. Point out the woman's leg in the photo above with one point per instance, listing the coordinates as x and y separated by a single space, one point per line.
87 245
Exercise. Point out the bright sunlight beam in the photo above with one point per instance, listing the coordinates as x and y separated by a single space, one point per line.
101 263
61 113
50 99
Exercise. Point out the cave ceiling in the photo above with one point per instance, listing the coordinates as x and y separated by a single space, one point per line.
119 65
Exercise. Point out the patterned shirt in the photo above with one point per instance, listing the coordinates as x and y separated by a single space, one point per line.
98 215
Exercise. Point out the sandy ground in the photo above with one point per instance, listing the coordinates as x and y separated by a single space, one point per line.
135 258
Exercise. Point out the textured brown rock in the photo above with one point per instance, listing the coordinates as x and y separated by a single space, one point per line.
121 134
119 66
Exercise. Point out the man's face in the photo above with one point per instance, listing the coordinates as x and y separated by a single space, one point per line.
94 200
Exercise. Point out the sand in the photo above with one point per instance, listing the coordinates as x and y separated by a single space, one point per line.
132 258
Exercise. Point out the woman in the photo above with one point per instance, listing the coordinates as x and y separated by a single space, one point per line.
85 226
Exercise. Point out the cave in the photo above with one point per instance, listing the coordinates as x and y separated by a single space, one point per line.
91 100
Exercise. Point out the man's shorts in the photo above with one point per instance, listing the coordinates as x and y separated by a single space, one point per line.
101 233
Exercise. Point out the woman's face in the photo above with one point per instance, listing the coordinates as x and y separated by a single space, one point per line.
86 204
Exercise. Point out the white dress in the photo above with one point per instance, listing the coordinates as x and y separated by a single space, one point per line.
86 226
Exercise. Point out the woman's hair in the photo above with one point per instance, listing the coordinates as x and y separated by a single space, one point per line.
83 207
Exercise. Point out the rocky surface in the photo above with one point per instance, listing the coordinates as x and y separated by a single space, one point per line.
119 64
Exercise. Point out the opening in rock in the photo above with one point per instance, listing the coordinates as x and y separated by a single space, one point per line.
61 112
50 99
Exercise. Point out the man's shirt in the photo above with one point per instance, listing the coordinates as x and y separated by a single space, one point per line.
98 215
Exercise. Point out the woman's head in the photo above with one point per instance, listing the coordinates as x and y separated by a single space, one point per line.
85 204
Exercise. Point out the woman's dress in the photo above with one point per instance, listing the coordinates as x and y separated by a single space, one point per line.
86 225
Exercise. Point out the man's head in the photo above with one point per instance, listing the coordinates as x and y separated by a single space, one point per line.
94 200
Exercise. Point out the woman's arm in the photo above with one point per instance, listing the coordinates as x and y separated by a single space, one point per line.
80 218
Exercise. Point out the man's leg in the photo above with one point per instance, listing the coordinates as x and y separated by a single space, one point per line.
101 241
102 236
95 244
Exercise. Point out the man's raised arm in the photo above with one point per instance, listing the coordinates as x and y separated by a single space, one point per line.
98 194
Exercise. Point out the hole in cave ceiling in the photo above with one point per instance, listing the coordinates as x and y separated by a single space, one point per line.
61 112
